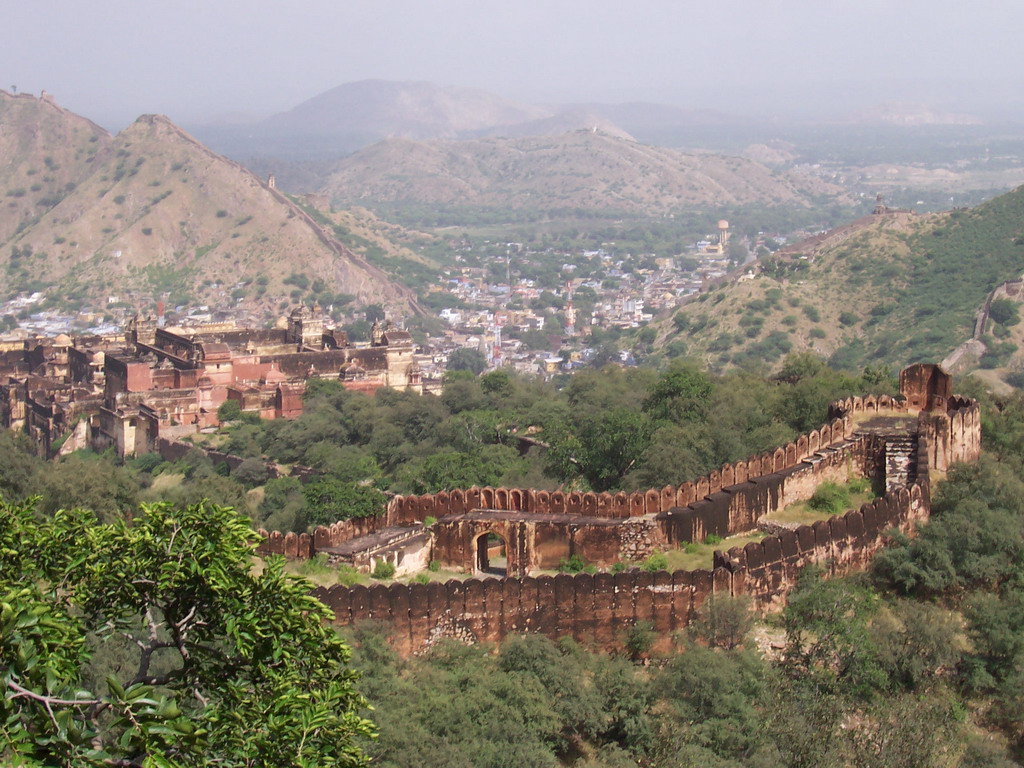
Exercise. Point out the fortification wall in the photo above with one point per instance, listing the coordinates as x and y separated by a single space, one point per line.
598 610
173 450
406 510
738 508
768 569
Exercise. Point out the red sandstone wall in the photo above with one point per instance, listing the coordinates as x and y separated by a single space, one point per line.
403 510
408 509
172 450
598 610
293 545
767 569
726 501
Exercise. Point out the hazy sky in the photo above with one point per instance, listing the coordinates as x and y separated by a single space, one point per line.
196 59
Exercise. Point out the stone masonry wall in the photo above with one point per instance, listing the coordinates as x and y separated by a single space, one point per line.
405 510
598 610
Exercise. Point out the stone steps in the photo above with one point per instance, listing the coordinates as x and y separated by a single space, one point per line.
900 461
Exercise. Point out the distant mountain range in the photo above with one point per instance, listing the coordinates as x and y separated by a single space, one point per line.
151 213
416 110
354 115
910 115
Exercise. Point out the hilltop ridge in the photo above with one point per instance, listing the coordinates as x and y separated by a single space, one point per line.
152 211
889 289
582 169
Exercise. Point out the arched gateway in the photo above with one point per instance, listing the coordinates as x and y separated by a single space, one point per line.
491 554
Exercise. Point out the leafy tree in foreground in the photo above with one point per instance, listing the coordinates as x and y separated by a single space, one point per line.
155 644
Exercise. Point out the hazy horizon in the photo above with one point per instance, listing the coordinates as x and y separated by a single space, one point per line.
200 62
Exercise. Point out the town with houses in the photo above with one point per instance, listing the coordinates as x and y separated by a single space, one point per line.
124 379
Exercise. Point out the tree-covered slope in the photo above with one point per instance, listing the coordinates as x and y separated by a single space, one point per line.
894 289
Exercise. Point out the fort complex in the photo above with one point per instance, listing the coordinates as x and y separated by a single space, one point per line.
158 383
502 536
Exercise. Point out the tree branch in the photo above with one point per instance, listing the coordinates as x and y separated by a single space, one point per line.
21 691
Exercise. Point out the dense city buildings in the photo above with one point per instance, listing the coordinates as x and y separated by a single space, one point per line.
125 392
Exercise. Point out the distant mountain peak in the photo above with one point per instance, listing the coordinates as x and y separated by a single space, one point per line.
413 109
152 211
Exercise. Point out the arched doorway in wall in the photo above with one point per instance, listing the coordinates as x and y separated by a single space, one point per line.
491 555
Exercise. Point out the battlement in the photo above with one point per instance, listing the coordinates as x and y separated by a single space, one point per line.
931 427
598 610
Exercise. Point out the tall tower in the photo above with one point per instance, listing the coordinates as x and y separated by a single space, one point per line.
306 328
723 234
570 312
140 330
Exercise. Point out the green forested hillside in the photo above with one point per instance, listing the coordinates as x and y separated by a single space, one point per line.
918 662
900 289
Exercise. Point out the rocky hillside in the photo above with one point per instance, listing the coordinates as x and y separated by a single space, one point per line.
152 213
575 170
890 289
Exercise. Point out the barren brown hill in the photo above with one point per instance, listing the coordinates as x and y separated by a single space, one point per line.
152 212
45 152
576 170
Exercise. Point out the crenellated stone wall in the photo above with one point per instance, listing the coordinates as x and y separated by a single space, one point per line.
599 610
765 472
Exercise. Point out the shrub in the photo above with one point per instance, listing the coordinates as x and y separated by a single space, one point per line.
1015 379
817 333
639 639
221 213
435 566
847 318
830 499
859 485
429 520
329 499
348 576
229 410
656 562
251 472
1004 312
572 564
145 462
315 566
724 621
713 539
383 569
